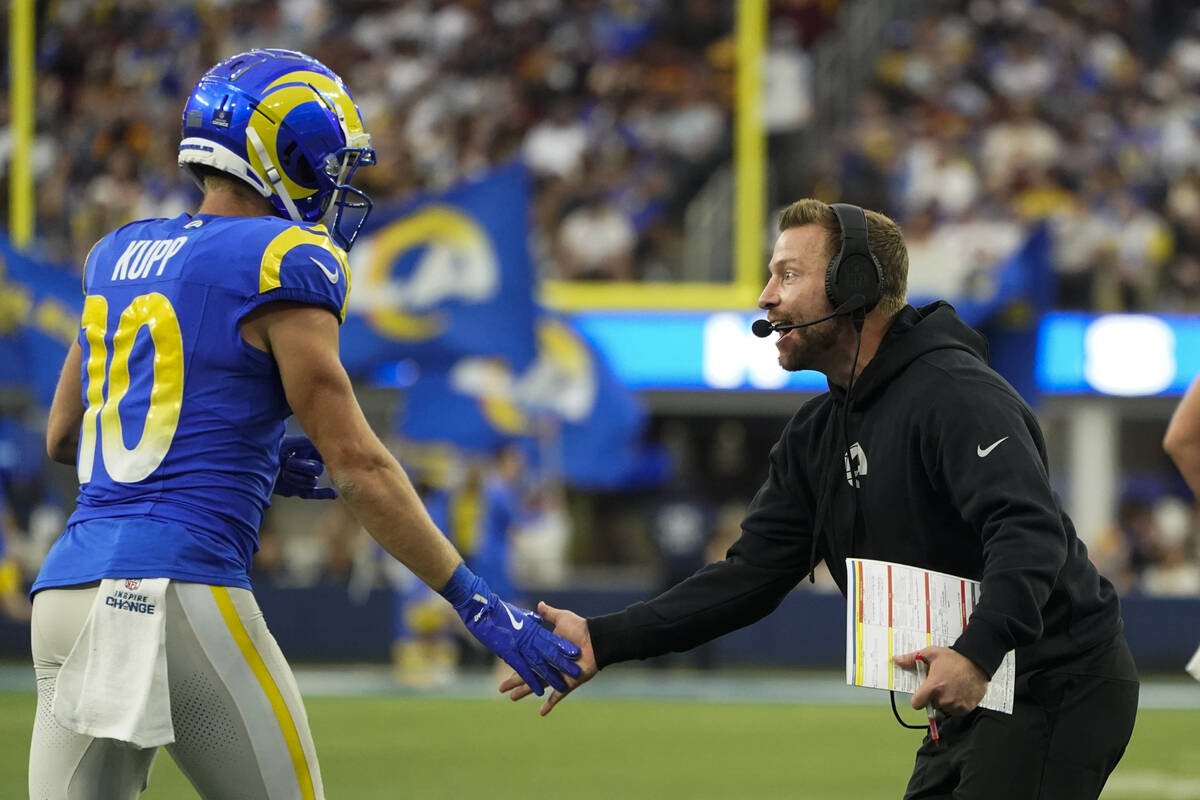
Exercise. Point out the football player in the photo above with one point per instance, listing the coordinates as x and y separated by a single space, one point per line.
200 335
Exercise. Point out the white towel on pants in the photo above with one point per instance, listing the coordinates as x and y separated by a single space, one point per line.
113 684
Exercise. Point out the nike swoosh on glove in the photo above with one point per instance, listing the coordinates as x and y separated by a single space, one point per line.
300 466
517 636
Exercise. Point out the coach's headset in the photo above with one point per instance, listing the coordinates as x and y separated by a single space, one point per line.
854 272
854 278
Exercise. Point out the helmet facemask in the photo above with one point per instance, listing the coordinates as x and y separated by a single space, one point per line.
347 208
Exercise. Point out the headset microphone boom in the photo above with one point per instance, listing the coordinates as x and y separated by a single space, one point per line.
763 328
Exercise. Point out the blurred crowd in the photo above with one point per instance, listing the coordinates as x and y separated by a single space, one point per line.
990 115
620 109
984 117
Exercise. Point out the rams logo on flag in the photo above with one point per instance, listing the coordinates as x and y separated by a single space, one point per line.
446 276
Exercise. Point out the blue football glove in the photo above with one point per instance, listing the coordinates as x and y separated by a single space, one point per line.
300 465
514 634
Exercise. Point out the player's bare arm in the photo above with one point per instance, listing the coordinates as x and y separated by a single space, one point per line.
66 411
1182 440
304 342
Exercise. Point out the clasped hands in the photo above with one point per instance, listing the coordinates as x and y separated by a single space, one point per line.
573 628
954 684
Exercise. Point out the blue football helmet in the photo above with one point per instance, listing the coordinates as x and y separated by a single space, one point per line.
285 124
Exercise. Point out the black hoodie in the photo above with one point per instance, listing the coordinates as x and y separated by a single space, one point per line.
952 477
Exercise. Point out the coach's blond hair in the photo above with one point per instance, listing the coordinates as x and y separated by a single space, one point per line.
883 237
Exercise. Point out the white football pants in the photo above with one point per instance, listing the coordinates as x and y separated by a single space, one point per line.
240 727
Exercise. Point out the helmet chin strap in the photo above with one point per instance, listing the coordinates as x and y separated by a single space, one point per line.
273 174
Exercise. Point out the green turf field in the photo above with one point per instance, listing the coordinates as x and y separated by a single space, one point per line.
428 747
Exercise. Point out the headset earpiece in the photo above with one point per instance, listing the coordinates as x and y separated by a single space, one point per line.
854 270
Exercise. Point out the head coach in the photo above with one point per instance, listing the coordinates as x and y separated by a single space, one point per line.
919 454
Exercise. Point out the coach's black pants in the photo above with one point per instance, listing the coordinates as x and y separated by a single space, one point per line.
1068 729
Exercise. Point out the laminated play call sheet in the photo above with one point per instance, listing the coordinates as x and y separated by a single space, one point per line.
893 609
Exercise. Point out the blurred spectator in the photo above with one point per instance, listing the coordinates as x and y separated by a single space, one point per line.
787 91
540 543
503 510
339 536
1018 144
1021 73
555 145
938 174
681 527
1143 542
595 242
936 268
14 602
269 566
1175 572
1082 248
1143 243
424 651
727 528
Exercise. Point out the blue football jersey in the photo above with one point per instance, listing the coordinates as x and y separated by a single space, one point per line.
178 449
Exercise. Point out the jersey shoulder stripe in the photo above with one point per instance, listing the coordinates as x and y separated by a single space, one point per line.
304 257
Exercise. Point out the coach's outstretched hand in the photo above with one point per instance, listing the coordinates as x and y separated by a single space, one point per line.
515 634
300 466
569 626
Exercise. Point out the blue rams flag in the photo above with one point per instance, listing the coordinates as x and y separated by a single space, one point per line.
1024 277
1019 290
445 276
478 404
468 406
40 304
1024 293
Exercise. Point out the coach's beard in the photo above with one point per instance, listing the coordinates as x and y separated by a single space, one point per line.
806 345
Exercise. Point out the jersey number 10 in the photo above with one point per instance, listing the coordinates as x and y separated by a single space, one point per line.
154 312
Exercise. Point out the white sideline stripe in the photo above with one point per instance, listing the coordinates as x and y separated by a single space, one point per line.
617 683
724 686
1151 784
